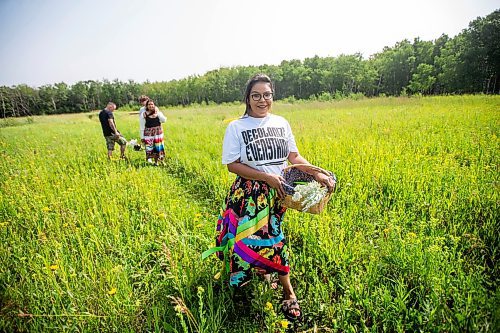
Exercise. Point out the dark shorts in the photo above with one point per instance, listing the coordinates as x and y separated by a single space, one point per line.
112 139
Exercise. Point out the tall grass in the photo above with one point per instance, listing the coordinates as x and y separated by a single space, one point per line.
409 242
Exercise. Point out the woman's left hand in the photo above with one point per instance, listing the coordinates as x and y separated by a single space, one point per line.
325 180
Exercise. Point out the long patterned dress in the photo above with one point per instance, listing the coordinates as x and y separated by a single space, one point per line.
249 235
153 139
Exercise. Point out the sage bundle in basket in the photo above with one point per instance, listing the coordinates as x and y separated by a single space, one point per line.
303 193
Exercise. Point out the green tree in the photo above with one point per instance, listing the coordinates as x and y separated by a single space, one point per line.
423 79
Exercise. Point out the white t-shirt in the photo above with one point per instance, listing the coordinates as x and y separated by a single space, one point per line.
260 143
141 122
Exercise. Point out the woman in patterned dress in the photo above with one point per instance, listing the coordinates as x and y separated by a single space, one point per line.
151 120
256 148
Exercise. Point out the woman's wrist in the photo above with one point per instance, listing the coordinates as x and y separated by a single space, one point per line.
264 177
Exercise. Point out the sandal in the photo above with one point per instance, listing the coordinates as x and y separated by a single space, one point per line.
289 307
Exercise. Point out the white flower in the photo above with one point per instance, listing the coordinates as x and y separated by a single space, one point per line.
309 194
296 196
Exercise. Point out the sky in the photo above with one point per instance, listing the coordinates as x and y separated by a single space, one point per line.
51 41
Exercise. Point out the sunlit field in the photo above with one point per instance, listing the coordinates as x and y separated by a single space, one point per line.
409 242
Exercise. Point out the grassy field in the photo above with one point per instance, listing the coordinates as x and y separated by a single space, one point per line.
409 242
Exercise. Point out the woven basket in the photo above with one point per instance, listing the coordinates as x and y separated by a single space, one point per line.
293 175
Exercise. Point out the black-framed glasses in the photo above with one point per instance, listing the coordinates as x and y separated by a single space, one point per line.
267 96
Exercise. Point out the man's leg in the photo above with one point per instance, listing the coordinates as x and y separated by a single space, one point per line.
122 151
110 144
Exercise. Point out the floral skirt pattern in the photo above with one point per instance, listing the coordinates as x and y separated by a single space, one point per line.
153 140
249 235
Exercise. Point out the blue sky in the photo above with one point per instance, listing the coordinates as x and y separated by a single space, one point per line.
51 41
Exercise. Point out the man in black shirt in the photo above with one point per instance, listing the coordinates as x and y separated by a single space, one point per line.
110 132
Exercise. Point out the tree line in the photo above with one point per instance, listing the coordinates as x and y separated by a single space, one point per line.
467 63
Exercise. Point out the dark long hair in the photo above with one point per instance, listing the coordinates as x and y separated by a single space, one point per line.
253 80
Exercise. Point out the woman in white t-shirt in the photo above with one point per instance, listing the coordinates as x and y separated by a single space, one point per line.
249 235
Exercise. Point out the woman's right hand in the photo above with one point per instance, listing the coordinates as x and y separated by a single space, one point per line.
275 182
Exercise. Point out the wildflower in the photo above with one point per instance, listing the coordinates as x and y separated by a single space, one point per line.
42 236
197 215
269 306
434 248
201 290
309 194
117 268
412 235
284 323
296 196
178 309
217 276
53 267
46 209
112 291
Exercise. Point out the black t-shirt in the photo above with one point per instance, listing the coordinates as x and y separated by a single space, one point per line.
104 116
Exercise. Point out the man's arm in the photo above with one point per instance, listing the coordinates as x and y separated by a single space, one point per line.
111 123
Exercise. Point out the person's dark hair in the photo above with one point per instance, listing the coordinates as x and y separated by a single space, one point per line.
143 98
147 102
253 80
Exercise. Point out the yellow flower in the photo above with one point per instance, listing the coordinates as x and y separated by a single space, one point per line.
284 323
201 290
412 235
269 306
117 268
197 215
45 209
112 291
217 276
53 267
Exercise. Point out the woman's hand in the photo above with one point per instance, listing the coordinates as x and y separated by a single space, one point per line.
325 180
275 182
